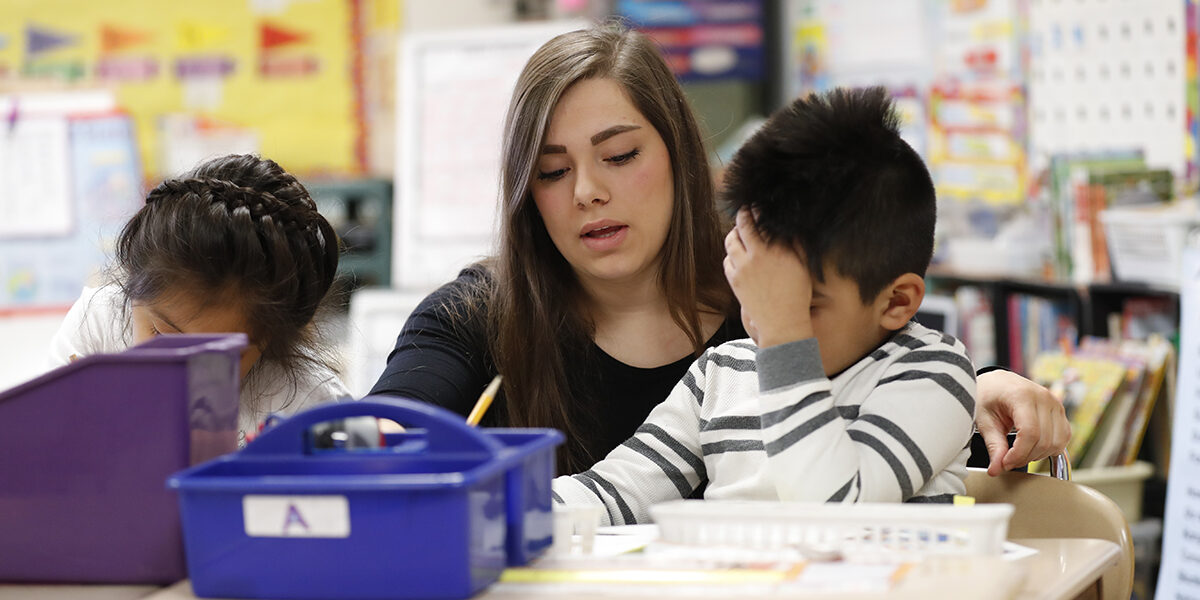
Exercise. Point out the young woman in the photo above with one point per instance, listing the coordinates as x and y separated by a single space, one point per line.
608 281
235 245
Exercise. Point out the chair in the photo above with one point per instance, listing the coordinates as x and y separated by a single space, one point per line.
1049 507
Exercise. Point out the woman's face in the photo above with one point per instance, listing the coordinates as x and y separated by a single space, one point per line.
180 313
603 185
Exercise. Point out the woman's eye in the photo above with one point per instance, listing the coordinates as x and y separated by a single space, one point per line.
551 175
621 159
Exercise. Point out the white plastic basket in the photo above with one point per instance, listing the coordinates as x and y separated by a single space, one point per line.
847 529
1146 243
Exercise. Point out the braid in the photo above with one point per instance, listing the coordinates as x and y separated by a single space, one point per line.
238 228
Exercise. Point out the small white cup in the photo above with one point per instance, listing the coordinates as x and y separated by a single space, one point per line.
575 529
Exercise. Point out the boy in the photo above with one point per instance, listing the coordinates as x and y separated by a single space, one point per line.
838 396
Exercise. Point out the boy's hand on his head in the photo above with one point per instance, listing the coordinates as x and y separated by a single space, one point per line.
1007 401
772 284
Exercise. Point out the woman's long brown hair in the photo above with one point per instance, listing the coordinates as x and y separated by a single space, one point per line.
536 325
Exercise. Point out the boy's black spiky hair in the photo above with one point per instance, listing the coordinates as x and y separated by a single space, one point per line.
830 174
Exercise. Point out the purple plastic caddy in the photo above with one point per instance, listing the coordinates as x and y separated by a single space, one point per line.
85 449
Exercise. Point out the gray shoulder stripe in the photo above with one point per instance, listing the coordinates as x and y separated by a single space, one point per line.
879 354
778 416
724 446
741 423
671 471
689 380
558 499
801 431
941 356
948 339
744 346
840 495
627 517
944 381
693 461
728 362
866 439
591 485
935 499
896 432
849 412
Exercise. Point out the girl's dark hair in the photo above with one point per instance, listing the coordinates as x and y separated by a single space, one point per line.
238 228
537 324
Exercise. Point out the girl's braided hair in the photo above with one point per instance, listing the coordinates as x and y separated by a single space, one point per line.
238 228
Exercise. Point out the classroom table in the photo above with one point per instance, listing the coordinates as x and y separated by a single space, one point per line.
1063 569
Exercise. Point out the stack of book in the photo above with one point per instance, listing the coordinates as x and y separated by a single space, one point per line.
1109 389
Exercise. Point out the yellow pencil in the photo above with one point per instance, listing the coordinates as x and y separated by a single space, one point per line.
484 401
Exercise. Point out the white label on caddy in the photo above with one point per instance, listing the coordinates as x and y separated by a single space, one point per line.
296 516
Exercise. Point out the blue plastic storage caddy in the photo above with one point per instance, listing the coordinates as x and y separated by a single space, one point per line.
84 451
425 516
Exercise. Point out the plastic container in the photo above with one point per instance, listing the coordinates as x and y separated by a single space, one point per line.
1122 484
845 529
1146 244
84 451
431 514
528 503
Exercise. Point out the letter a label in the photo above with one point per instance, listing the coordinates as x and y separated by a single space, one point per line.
296 516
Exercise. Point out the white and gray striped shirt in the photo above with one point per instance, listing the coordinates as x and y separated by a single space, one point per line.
751 423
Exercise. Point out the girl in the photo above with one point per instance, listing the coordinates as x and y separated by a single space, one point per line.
235 245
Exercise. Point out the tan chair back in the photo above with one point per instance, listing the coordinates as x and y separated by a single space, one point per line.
1046 507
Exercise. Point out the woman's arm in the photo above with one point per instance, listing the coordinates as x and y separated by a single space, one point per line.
1007 401
441 355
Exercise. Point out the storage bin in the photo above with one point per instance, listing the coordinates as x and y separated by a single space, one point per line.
854 530
427 515
84 451
1122 484
1146 244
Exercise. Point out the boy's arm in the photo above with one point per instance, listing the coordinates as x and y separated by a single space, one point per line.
912 424
662 461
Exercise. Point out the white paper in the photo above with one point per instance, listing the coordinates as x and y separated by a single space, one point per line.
296 516
454 92
35 196
1179 573
1108 76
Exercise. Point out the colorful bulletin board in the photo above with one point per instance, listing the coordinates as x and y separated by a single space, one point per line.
703 40
66 193
276 76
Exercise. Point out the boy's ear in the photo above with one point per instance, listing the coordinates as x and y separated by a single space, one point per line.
903 297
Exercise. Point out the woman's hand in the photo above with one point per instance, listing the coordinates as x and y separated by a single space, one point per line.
772 284
1007 401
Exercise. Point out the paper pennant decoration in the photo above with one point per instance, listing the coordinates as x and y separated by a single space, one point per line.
127 69
39 40
204 67
288 66
272 36
200 36
114 39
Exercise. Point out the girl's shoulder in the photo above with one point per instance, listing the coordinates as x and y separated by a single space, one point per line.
97 323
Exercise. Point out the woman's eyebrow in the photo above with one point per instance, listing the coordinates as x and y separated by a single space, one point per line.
596 139
611 131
